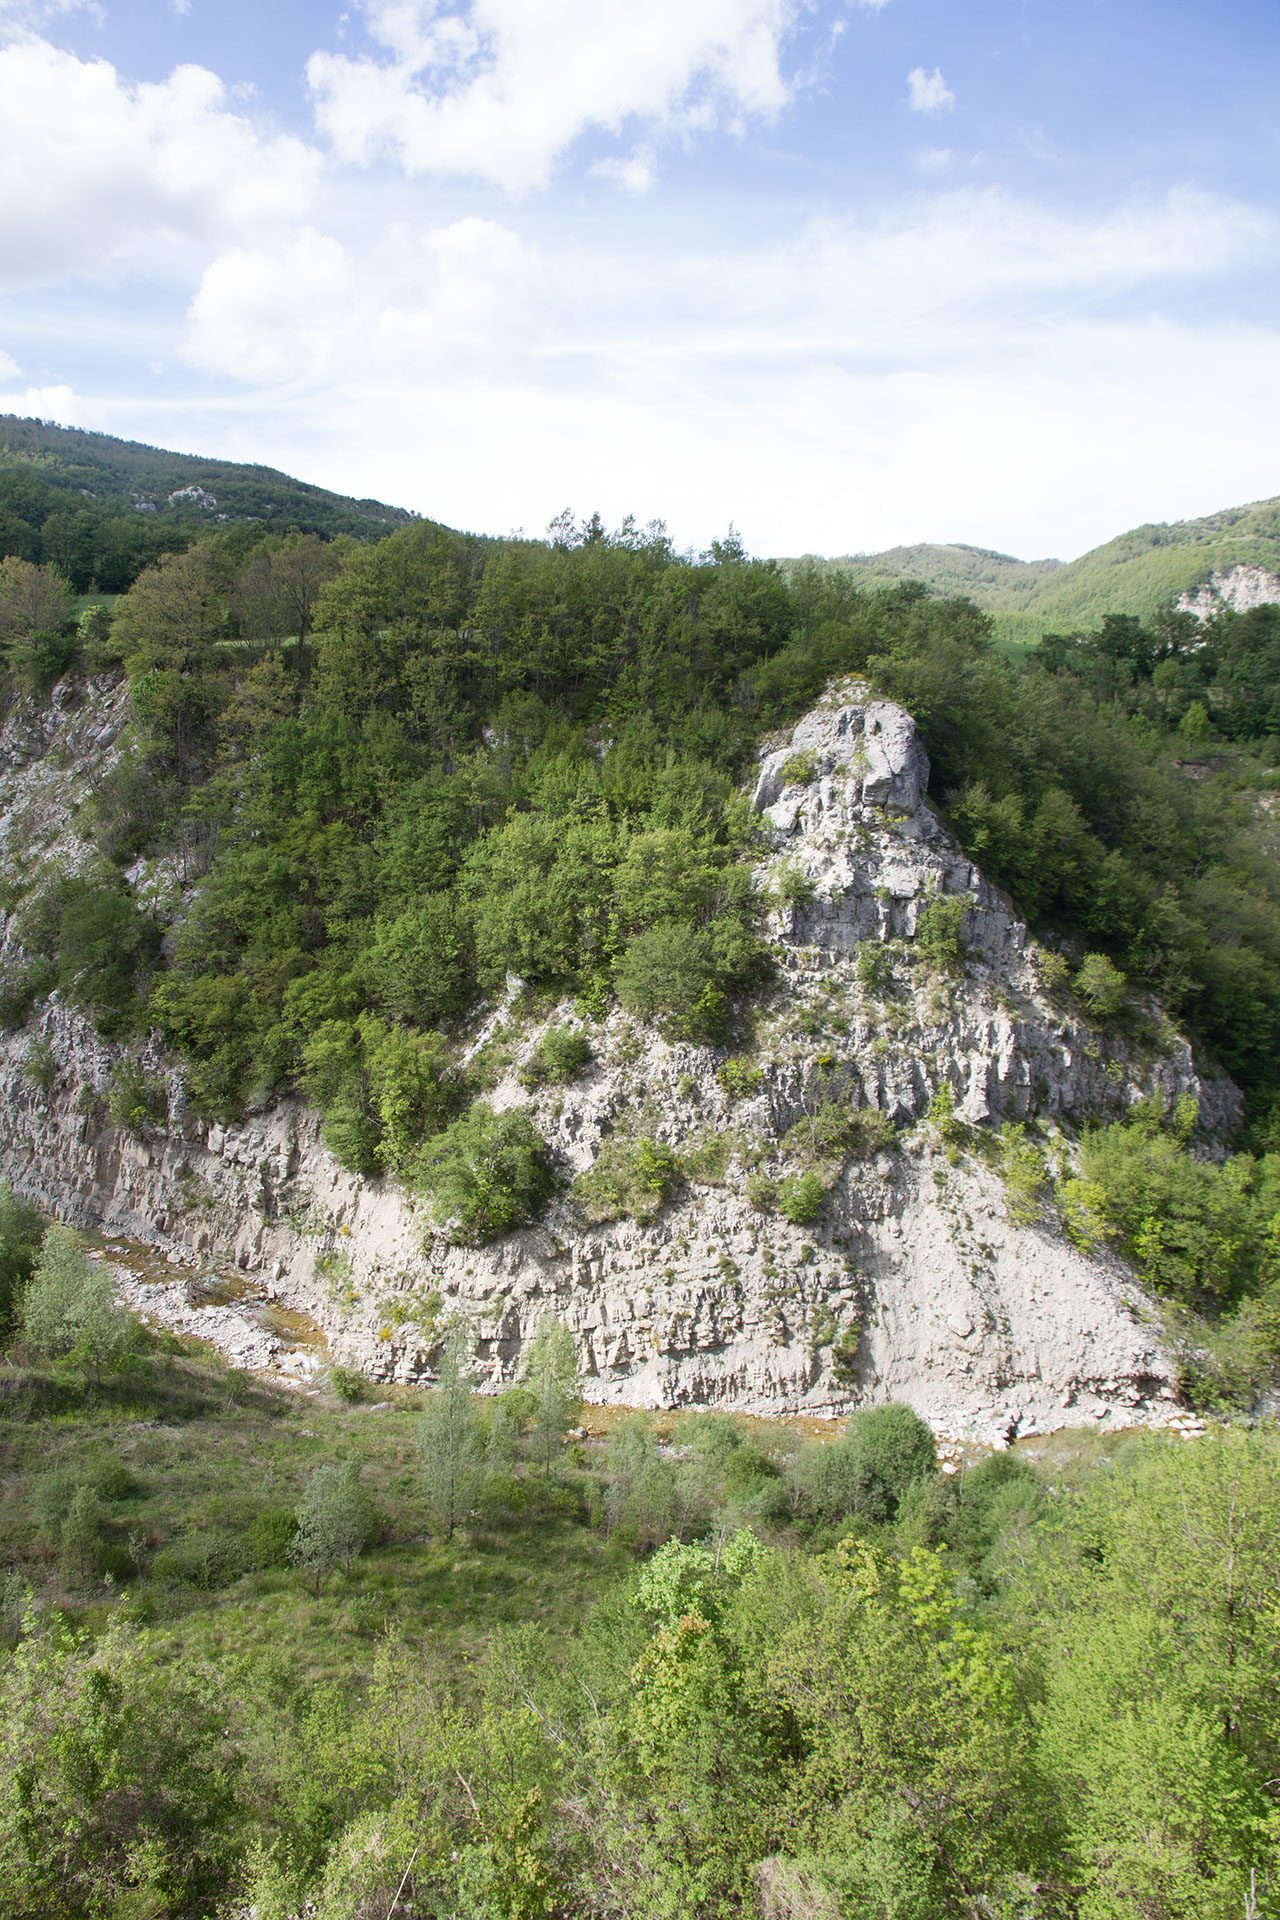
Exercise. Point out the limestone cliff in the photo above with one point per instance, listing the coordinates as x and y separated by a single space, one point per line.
913 1281
1240 588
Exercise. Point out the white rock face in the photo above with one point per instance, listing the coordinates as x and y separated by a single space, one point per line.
912 1284
1241 588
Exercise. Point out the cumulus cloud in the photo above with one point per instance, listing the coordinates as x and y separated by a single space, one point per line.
61 404
930 162
93 170
928 92
282 314
500 90
863 381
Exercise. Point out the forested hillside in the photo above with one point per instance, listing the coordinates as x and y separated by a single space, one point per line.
369 784
100 509
290 1656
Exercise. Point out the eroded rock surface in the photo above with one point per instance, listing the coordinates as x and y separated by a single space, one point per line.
913 1283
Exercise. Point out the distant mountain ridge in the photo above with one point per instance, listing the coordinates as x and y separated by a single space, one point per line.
1138 572
128 476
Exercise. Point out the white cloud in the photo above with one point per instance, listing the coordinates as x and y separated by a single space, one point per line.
180 6
26 16
278 315
634 172
61 404
503 89
8 366
965 366
95 172
931 162
928 92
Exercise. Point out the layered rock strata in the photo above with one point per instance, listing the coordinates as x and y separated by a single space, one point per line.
914 1282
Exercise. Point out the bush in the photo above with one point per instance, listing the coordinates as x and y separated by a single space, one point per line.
835 1131
1100 987
629 1177
22 1228
740 1078
683 977
874 969
939 931
485 1175
136 1098
69 1310
864 1475
560 1056
801 1198
39 1065
799 769
334 1520
348 1384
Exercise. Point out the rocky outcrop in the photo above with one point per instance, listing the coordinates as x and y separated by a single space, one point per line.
913 1282
1241 588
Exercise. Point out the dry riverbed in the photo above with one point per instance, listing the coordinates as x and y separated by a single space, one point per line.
231 1312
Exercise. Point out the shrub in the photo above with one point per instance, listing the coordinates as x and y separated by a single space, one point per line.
334 1520
792 886
835 1131
69 1310
486 1174
874 969
1100 987
844 1357
39 1065
762 1192
21 1231
629 1176
740 1078
801 1198
1025 1174
560 1056
683 977
348 1384
939 931
799 769
135 1098
864 1475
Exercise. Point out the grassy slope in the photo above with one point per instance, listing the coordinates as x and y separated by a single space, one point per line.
206 1452
1138 572
114 471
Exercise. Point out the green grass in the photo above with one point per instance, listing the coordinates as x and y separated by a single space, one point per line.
205 1453
1138 572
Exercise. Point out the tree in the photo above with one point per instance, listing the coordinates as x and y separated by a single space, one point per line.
487 1174
35 615
1161 1724
69 1311
863 1475
21 1231
550 1372
118 1792
1100 987
334 1520
451 1439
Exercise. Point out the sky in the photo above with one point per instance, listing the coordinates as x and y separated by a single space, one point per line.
846 274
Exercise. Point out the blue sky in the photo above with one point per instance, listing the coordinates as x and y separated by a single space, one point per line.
845 274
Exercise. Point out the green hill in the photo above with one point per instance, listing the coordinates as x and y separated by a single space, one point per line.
101 509
126 473
1138 572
